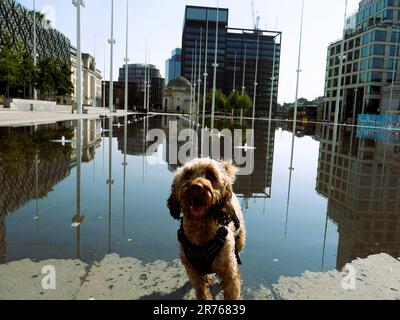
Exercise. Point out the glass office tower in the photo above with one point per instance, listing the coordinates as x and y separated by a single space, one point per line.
371 49
232 42
173 65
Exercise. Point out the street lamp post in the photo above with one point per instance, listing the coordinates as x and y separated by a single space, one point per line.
256 75
78 4
111 41
34 45
126 60
205 74
244 69
199 79
215 65
297 86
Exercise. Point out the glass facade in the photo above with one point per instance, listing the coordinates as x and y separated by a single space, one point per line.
369 64
136 75
232 42
16 23
173 65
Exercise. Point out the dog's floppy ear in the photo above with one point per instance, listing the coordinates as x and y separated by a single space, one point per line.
174 205
230 170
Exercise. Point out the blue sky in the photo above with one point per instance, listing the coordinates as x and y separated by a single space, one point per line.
161 22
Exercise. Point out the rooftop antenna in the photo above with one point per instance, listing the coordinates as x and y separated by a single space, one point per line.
256 19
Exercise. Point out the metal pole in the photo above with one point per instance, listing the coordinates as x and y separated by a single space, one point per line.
199 79
145 80
126 60
393 73
337 104
78 4
111 41
234 75
215 65
205 77
256 76
104 79
244 69
297 87
34 45
191 83
272 83
148 84
194 78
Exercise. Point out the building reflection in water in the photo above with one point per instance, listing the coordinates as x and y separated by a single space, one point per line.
256 185
361 180
31 165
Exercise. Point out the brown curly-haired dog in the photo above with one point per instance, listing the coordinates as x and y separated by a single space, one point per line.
212 228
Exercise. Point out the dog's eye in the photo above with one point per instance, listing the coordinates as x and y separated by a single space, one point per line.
209 175
188 174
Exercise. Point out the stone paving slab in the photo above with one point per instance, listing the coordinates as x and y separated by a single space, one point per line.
115 278
377 278
20 118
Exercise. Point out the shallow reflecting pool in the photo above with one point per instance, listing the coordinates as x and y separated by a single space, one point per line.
316 204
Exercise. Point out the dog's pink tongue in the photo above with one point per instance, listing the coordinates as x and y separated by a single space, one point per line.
198 211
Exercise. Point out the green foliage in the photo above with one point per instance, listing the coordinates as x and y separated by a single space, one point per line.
223 104
18 72
9 66
18 150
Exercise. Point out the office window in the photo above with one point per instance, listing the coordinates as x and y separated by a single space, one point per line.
222 15
365 13
395 37
364 64
394 51
196 14
388 14
379 35
378 49
365 52
376 63
374 76
365 38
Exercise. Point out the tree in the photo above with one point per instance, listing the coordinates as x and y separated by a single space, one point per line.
8 67
221 101
27 71
239 102
64 84
244 103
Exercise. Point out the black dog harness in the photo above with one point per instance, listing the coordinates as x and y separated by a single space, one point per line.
202 257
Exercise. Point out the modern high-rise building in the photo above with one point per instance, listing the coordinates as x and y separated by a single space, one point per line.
237 56
173 65
16 24
136 75
371 49
360 179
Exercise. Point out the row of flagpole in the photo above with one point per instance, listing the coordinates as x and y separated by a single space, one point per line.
81 3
